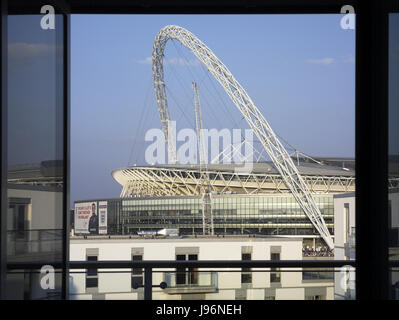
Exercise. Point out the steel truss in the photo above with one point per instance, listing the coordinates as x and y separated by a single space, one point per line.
207 216
164 181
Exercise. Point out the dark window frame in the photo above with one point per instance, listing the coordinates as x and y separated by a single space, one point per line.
186 276
91 279
246 274
371 119
275 274
137 275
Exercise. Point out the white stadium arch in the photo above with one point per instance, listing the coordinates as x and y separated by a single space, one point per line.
257 122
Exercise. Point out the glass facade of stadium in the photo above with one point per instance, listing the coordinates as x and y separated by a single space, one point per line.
268 214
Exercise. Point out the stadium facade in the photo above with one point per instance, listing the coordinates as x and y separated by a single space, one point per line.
169 196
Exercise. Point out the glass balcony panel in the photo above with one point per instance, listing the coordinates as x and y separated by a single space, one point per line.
226 284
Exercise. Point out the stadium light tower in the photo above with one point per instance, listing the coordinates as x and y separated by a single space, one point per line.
207 216
198 127
276 151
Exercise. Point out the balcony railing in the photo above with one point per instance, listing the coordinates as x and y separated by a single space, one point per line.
216 266
318 275
190 282
39 244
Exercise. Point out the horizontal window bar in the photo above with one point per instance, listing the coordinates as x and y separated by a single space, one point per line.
196 264
174 271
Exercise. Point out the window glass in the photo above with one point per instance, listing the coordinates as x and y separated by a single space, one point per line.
393 149
35 144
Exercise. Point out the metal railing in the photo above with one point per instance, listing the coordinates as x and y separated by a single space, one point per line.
317 275
184 281
31 242
149 265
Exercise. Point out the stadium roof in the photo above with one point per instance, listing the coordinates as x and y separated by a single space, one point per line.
268 167
324 176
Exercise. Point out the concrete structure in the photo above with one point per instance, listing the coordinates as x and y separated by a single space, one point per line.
34 226
34 214
345 244
344 226
194 284
37 203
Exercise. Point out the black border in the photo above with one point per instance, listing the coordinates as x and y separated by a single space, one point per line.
371 109
372 150
3 147
67 152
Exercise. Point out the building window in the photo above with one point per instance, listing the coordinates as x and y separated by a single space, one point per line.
316 297
181 273
275 274
270 294
193 272
241 294
187 276
137 273
92 274
246 275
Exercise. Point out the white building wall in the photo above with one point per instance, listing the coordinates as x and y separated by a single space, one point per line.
343 281
222 295
340 223
118 285
44 210
330 293
290 294
255 294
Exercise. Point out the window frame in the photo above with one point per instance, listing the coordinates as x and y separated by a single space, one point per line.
371 120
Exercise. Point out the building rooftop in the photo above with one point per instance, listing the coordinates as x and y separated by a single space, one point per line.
185 238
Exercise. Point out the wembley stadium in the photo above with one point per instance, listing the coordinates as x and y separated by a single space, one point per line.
285 194
259 202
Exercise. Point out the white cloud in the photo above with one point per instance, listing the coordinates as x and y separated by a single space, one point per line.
23 50
147 60
322 61
349 59
182 62
173 61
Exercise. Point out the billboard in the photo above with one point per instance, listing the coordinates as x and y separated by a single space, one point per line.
102 217
86 219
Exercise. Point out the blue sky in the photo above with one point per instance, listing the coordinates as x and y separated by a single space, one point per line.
298 69
33 65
